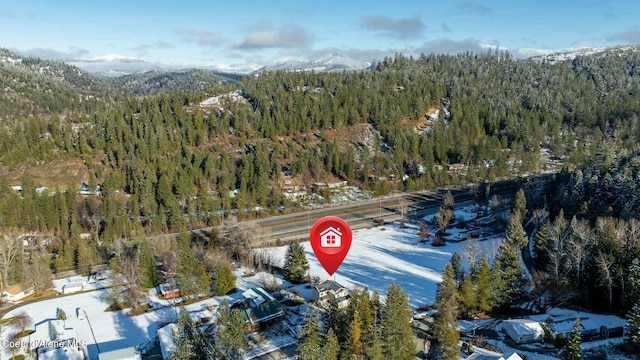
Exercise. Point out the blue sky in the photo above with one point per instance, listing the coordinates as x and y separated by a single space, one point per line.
248 33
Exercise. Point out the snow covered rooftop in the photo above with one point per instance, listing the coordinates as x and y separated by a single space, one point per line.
524 327
165 338
65 352
258 295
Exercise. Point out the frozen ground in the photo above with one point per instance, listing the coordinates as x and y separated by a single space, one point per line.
382 255
377 257
104 330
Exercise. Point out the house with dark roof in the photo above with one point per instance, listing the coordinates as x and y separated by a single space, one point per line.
260 309
328 292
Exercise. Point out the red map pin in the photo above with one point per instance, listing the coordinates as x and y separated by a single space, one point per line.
330 239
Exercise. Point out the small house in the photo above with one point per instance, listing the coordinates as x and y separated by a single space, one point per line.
523 331
169 289
329 292
17 292
72 288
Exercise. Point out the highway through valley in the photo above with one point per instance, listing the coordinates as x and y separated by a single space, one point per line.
367 213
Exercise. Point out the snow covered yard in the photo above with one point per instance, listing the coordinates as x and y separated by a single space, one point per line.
382 255
101 331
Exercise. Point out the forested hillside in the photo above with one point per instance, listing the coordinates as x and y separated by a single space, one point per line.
32 86
164 160
154 82
589 250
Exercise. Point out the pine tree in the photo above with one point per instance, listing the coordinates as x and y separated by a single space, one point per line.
223 280
509 277
230 339
445 322
542 244
331 348
483 285
147 264
191 273
633 325
397 335
354 339
516 233
190 341
309 347
520 206
467 296
458 270
572 349
295 264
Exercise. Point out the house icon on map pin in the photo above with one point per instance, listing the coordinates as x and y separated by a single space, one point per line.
331 238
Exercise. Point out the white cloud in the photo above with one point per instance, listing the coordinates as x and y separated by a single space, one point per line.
631 36
204 37
403 28
288 36
53 54
474 7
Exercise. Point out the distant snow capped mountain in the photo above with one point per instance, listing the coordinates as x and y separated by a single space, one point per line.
570 54
113 65
336 62
567 54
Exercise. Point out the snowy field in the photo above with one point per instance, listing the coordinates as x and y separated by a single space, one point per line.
378 257
115 329
382 255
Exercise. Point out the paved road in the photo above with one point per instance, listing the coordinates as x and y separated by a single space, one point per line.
363 214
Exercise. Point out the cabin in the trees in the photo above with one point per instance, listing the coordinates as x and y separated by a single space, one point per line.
169 289
259 308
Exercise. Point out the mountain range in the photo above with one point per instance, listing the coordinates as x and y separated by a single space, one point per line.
28 80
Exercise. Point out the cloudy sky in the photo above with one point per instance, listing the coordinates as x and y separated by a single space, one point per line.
248 33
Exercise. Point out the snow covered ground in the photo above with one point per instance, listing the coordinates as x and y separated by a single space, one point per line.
382 255
378 257
104 330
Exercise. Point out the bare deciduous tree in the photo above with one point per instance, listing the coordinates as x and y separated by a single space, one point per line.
633 233
538 216
577 246
403 207
129 265
242 239
605 263
37 272
22 321
471 252
10 245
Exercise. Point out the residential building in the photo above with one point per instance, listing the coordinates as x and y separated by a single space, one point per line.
259 308
523 331
166 339
329 292
16 292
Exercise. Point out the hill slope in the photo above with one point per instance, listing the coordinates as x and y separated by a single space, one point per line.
154 82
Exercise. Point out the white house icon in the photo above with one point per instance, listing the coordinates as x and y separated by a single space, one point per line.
330 237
